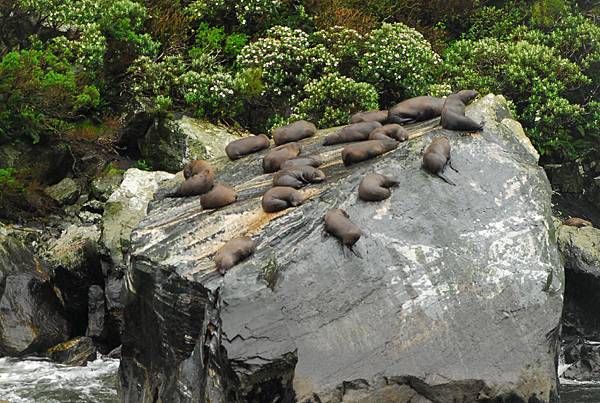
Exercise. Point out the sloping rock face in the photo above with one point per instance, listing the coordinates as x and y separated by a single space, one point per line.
456 295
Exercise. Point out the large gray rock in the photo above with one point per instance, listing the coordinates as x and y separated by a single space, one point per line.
64 192
169 144
457 295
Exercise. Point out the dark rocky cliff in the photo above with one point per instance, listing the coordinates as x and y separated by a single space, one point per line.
457 295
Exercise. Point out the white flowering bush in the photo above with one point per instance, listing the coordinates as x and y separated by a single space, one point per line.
439 90
156 80
332 99
398 61
210 94
345 44
287 61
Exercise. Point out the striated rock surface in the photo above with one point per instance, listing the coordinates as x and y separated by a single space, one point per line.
77 351
456 295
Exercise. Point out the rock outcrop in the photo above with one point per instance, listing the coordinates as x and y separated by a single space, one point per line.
456 295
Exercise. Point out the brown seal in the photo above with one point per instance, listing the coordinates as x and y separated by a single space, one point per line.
370 116
220 195
353 153
233 252
437 156
313 161
351 133
453 113
276 157
196 167
196 185
298 176
577 222
422 108
338 224
375 187
391 131
281 197
248 145
295 131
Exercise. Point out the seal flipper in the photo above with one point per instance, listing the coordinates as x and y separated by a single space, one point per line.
443 177
450 165
356 253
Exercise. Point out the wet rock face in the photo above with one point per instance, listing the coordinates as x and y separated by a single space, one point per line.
73 352
31 315
456 295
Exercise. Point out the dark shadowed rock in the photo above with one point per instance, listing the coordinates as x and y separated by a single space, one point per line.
77 351
457 296
96 306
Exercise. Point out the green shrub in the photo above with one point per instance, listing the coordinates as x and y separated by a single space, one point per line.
399 62
496 22
9 182
345 44
332 99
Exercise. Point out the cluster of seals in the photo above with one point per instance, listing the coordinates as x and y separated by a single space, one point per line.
453 112
313 161
338 224
370 116
298 176
390 131
199 178
577 222
280 198
422 108
351 133
273 161
233 252
376 187
295 131
248 145
220 195
437 156
353 153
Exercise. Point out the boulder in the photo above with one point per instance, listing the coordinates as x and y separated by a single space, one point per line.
65 192
170 143
77 351
31 315
96 312
105 184
454 294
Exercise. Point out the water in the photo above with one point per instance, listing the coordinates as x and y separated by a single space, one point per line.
35 380
573 392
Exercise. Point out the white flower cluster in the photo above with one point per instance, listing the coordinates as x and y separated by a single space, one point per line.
245 11
208 93
341 42
398 59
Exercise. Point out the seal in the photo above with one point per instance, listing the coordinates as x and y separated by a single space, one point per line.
422 108
370 116
390 131
375 187
437 156
295 131
313 161
281 197
248 145
353 153
221 195
276 157
196 185
298 176
351 133
453 113
196 167
233 252
338 224
577 222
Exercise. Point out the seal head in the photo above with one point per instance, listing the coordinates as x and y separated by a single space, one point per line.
376 187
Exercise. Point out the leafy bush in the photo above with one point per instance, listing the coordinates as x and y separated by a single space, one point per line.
399 62
9 182
345 44
332 99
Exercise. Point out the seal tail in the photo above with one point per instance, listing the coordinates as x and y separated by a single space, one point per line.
441 175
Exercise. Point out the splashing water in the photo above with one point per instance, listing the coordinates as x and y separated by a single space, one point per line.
37 380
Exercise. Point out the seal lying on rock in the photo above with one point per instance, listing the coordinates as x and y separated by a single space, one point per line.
221 195
437 156
577 222
196 185
375 187
350 133
281 197
196 167
298 176
370 116
391 131
365 150
234 252
338 224
453 113
248 145
276 157
295 131
422 108
313 161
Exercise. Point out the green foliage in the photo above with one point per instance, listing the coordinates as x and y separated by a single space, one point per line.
546 12
399 62
214 40
345 44
332 99
495 22
142 165
9 182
